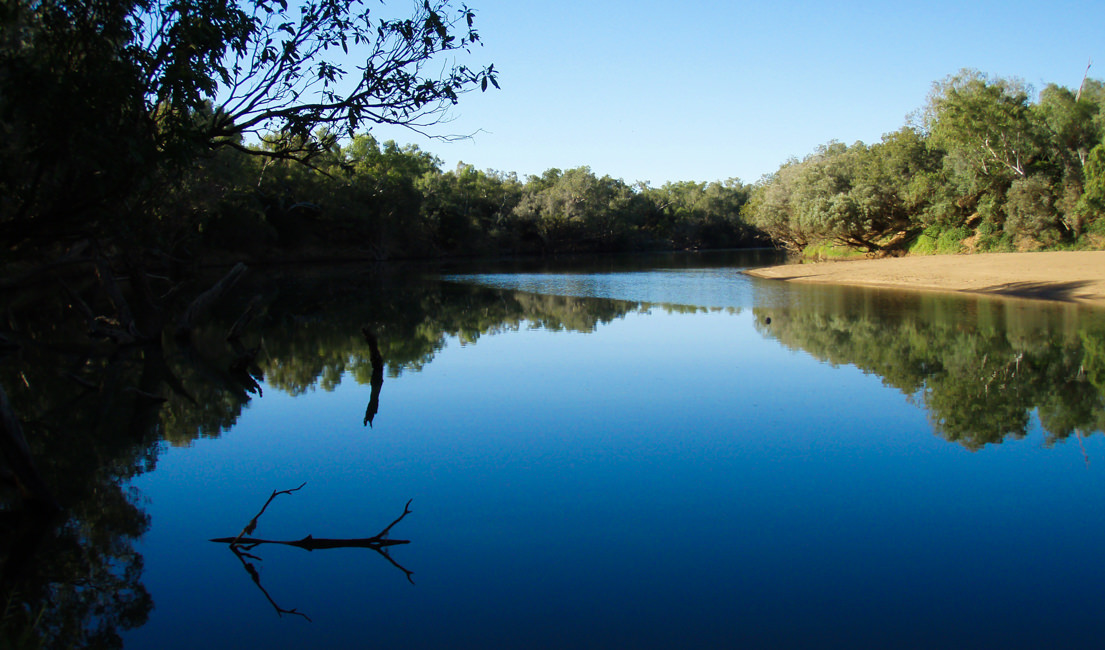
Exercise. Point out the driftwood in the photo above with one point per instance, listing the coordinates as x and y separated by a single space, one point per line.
242 544
206 300
310 543
14 449
377 380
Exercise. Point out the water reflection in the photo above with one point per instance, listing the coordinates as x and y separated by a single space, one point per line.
377 381
96 414
981 368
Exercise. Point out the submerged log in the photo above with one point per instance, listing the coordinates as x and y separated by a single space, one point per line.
311 543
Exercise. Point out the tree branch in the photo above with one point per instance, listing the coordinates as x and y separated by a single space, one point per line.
252 525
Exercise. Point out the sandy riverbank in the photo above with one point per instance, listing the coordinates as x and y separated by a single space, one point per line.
1066 276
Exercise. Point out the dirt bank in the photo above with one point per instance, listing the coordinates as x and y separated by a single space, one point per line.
1066 276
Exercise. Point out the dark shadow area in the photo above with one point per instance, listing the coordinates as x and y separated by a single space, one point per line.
1061 291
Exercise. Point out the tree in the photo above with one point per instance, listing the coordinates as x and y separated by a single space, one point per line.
103 99
1092 201
771 207
985 121
282 76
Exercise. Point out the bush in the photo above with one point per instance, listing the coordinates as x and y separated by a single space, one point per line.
951 240
1030 210
925 244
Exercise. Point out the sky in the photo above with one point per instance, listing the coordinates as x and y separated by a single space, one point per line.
697 90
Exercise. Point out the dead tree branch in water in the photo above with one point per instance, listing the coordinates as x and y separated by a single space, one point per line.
243 544
252 525
378 542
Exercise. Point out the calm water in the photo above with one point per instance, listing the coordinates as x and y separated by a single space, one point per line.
658 454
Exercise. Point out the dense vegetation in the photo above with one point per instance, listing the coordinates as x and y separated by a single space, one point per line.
145 134
208 129
139 136
983 167
380 200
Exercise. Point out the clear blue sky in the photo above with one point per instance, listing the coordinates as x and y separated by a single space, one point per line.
703 91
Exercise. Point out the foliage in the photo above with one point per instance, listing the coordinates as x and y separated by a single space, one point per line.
859 196
984 123
982 159
385 201
150 89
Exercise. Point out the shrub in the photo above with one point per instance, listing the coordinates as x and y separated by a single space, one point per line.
951 240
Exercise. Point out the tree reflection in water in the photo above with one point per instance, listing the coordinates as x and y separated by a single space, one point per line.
95 413
980 367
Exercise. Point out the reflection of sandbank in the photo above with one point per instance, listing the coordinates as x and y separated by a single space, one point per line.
1073 276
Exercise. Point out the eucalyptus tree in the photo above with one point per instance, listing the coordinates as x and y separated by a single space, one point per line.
985 122
1072 123
98 96
576 208
772 207
470 210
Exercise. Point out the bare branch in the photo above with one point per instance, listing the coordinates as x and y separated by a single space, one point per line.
252 525
406 511
379 543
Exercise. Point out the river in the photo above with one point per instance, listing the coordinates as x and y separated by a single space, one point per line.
646 452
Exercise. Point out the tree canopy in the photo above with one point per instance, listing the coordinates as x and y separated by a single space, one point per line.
102 102
983 166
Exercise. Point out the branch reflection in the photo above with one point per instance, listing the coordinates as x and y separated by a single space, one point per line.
242 545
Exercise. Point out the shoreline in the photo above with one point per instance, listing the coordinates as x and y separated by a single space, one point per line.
1059 276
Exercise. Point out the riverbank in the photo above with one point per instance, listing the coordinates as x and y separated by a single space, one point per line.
1068 276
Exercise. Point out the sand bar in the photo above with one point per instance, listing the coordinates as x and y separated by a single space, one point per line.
1075 276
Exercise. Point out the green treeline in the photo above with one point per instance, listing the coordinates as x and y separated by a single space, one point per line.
983 167
979 367
384 201
149 135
